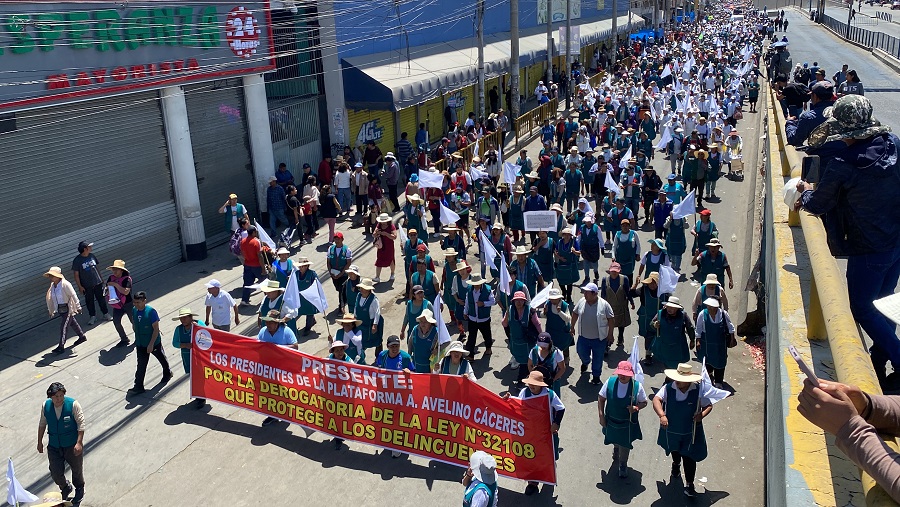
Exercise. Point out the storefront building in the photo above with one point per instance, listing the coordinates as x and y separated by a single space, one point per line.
388 74
126 126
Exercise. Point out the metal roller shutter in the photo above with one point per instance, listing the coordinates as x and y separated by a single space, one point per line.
408 124
221 151
96 171
368 124
431 113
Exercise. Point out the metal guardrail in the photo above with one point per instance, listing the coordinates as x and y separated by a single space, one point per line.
828 314
868 38
495 139
529 123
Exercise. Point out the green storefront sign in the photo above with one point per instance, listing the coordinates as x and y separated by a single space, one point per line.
51 51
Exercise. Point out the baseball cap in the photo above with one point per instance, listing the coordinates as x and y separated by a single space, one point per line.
591 287
339 235
84 245
213 283
393 340
307 165
544 340
823 89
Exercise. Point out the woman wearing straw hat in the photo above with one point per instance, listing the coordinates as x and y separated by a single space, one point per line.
182 339
368 310
535 386
384 257
349 288
524 327
305 279
458 292
559 322
477 313
415 306
651 302
448 275
501 242
715 335
652 259
414 215
62 299
528 270
681 409
282 266
675 334
620 400
709 288
567 262
350 335
714 261
423 340
120 280
455 362
272 300
615 290
454 240
549 360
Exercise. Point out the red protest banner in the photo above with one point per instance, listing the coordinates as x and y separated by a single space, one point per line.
440 417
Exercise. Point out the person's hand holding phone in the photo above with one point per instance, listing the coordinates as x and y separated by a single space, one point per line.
853 393
829 411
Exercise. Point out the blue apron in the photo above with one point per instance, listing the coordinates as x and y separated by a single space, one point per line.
518 343
671 346
369 339
557 327
625 253
544 259
681 436
567 269
421 348
713 341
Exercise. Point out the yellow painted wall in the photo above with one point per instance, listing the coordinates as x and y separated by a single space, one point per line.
433 111
408 124
366 124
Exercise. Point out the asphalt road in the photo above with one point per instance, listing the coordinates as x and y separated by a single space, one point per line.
154 449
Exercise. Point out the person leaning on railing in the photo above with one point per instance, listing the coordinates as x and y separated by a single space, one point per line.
858 194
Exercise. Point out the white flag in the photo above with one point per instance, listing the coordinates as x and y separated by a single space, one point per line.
504 276
635 360
315 294
708 390
448 216
487 249
668 279
611 185
443 333
664 140
542 296
510 173
719 53
477 174
623 162
263 236
475 152
17 494
428 179
685 207
291 301
403 237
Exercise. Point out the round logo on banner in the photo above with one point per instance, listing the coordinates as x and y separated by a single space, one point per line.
203 339
242 32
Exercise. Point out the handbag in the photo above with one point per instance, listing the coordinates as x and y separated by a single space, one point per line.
63 308
378 243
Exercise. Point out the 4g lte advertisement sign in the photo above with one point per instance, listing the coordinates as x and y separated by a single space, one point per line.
440 417
53 51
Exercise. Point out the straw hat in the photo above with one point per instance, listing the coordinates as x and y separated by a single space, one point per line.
303 261
186 312
451 227
118 264
413 198
497 225
556 207
348 318
711 279
282 251
533 174
652 277
684 373
428 315
714 242
54 272
383 218
567 231
55 499
450 253
366 283
476 280
463 265
271 286
555 294
353 269
522 250
535 378
673 302
337 344
456 346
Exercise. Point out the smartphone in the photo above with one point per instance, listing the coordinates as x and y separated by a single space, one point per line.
803 366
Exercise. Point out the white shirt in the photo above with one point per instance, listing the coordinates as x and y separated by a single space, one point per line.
654 258
221 307
59 297
342 179
622 390
681 396
353 337
480 498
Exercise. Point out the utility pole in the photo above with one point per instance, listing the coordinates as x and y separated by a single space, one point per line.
549 76
615 35
514 59
479 98
568 58
629 18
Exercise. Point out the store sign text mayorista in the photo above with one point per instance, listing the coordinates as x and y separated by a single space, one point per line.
85 48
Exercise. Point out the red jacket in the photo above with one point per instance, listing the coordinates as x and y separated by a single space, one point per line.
324 173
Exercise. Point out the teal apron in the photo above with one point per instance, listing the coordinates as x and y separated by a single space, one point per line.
527 274
646 313
470 494
447 367
516 218
703 237
449 279
268 305
369 339
350 293
499 245
351 350
548 363
427 284
713 342
681 436
566 269
622 427
617 216
670 345
462 290
716 266
624 254
282 275
421 348
518 343
544 259
184 336
412 314
557 327
504 300
304 282
650 266
676 242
